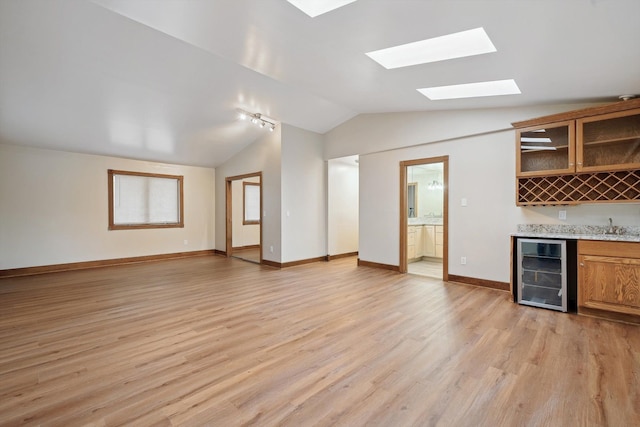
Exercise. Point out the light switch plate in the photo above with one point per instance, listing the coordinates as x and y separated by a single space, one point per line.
463 202
562 215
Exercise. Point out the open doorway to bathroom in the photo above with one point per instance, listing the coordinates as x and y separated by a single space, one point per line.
243 224
424 217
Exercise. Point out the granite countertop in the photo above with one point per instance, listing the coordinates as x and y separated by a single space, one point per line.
578 232
426 221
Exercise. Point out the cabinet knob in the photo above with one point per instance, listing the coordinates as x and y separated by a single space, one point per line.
582 264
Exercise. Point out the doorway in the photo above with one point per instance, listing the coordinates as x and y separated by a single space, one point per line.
342 207
243 217
424 224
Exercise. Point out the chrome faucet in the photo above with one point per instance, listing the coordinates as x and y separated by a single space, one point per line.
611 229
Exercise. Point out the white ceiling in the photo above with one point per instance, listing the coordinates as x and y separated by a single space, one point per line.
162 80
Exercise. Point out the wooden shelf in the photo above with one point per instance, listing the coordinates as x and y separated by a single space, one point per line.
606 141
558 148
619 186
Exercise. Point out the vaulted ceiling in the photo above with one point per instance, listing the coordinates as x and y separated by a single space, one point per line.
164 80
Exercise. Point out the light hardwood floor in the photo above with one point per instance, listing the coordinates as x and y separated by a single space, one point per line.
251 255
222 342
430 267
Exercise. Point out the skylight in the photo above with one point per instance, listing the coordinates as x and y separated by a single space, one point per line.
314 8
456 45
472 90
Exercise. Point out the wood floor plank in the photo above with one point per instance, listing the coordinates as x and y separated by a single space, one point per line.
218 341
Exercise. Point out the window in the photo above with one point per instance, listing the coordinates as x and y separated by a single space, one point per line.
251 204
144 200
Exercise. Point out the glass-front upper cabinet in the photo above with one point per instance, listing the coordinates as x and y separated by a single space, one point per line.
546 150
609 142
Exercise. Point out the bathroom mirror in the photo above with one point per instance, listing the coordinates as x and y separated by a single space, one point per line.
412 199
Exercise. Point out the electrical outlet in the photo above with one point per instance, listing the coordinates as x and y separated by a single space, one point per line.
463 201
271 249
463 260
562 215
186 242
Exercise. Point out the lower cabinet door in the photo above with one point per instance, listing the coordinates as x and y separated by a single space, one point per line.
610 283
439 241
429 247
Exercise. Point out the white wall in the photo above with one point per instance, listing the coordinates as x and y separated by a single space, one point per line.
342 205
304 194
53 209
242 234
481 169
261 156
293 193
371 133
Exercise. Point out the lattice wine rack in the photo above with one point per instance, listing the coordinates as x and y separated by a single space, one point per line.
621 186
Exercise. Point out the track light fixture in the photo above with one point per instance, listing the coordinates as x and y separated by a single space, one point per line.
258 119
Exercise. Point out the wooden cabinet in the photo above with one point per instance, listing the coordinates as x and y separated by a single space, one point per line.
419 241
584 156
609 279
411 242
546 150
415 245
439 241
609 142
425 240
429 247
433 237
605 142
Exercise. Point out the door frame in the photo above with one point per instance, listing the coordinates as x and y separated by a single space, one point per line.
229 210
445 211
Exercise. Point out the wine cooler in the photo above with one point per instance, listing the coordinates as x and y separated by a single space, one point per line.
542 274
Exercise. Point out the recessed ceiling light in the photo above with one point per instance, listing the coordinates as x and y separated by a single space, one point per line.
457 45
472 90
314 8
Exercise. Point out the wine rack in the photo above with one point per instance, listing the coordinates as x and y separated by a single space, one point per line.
619 186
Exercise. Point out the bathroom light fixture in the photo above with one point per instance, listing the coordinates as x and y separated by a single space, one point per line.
258 119
435 185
